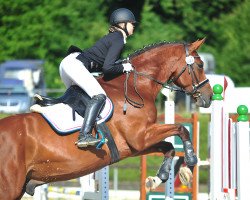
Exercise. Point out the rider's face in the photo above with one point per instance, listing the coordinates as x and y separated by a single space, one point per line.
130 28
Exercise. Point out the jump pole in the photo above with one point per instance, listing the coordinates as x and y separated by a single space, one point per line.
88 185
215 145
229 151
169 118
243 154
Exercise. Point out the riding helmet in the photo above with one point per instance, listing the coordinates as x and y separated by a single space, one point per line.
122 15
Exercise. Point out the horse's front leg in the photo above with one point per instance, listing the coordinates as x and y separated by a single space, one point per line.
162 131
159 132
162 175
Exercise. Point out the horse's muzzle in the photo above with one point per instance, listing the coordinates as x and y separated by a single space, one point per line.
203 101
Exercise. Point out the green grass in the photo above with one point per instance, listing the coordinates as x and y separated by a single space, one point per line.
129 169
203 148
2 115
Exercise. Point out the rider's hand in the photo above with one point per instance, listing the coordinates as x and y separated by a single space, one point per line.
127 67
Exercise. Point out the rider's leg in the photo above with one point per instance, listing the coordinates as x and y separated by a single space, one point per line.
73 71
92 111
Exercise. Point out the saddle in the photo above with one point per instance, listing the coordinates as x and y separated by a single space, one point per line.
74 96
77 99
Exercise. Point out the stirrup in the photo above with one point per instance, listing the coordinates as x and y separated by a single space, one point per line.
99 142
84 142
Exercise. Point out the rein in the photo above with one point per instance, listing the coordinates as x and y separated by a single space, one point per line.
137 104
168 84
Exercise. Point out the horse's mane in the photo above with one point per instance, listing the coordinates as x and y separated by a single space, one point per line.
152 46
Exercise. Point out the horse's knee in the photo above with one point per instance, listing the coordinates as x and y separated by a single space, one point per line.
166 148
183 133
170 153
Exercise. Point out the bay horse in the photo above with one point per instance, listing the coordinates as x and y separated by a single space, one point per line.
32 154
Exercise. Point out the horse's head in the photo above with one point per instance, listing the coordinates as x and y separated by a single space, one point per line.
177 64
188 73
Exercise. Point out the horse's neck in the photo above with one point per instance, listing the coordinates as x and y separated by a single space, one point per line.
157 63
156 66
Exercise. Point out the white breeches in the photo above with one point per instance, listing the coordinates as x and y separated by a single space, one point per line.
73 72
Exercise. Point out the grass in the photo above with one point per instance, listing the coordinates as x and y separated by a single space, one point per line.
2 115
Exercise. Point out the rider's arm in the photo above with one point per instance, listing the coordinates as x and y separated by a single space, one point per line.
114 53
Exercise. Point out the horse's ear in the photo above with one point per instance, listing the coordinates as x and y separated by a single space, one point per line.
196 45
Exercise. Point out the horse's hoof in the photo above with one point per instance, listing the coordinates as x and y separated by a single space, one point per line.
152 183
148 184
185 175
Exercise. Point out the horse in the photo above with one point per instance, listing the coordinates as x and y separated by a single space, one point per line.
32 154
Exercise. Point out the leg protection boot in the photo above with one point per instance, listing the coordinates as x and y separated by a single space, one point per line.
92 111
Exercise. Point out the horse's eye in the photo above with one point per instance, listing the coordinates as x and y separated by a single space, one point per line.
200 65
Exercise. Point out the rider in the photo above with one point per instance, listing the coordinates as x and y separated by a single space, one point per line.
76 69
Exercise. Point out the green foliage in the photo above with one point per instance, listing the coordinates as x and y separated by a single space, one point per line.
45 29
233 56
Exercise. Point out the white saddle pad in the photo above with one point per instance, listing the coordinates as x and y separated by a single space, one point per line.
60 116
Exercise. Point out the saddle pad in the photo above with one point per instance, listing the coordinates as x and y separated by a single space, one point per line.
60 116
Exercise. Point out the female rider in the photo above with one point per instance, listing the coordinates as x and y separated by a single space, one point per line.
76 69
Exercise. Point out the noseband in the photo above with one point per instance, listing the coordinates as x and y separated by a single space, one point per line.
196 84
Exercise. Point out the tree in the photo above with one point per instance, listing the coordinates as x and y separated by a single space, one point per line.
232 49
45 29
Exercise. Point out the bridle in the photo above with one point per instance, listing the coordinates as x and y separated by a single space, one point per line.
196 84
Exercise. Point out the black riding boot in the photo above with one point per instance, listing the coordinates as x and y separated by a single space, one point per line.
92 111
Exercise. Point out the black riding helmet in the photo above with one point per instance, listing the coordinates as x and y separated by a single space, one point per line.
122 15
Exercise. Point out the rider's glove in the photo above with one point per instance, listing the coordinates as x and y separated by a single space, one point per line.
127 67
